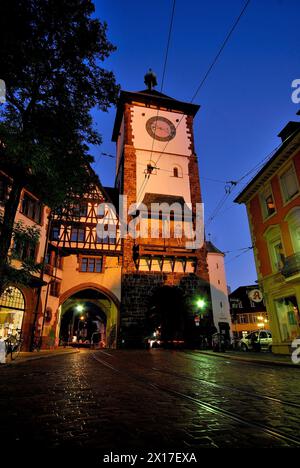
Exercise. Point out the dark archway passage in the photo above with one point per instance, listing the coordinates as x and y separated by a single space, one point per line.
88 317
167 316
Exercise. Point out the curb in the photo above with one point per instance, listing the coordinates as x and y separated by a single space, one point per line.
40 356
263 362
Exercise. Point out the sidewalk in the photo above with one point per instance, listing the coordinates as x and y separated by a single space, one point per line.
45 353
262 358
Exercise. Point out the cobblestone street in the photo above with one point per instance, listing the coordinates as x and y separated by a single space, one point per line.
148 400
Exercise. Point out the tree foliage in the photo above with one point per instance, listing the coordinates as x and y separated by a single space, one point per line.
51 61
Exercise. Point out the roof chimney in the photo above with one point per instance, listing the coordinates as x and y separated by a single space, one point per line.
289 129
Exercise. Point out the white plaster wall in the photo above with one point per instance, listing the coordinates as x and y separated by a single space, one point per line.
218 291
162 180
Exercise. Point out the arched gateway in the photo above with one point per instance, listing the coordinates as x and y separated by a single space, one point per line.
89 314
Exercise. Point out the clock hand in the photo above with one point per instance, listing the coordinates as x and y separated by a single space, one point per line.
160 128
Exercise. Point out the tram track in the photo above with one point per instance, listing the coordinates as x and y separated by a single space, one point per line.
227 387
279 435
218 385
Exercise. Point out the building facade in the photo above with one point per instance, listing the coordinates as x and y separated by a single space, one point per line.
18 303
248 311
272 199
81 275
102 286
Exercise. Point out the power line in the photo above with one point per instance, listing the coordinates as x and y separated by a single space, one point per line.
168 45
228 189
239 255
237 250
184 174
208 71
161 89
220 50
256 168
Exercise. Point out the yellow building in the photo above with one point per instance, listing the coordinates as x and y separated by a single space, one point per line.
78 294
272 199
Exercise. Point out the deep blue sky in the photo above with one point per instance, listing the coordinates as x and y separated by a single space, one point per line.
244 103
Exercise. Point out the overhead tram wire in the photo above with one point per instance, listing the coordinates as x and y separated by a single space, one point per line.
220 50
147 175
203 80
239 255
168 46
256 169
186 174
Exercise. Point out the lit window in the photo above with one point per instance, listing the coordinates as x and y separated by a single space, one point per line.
289 184
268 204
287 310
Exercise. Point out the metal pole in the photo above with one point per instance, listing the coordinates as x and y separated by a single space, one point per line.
46 299
36 310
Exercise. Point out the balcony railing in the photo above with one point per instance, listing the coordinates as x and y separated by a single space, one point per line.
291 265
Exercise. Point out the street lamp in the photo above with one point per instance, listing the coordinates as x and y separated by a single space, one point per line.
79 308
201 304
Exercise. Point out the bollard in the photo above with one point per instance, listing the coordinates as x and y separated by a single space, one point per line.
2 352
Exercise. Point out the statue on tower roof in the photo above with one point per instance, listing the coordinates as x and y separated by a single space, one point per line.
150 79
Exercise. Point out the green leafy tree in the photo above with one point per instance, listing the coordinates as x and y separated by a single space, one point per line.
51 56
24 238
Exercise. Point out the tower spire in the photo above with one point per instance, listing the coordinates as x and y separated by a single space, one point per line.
150 79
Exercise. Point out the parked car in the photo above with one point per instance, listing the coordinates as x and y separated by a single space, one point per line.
256 341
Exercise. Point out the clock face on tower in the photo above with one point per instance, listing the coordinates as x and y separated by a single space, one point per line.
160 128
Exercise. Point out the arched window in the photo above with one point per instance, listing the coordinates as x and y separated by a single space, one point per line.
176 171
275 246
293 219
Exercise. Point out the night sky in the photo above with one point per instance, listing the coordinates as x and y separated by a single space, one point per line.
245 101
